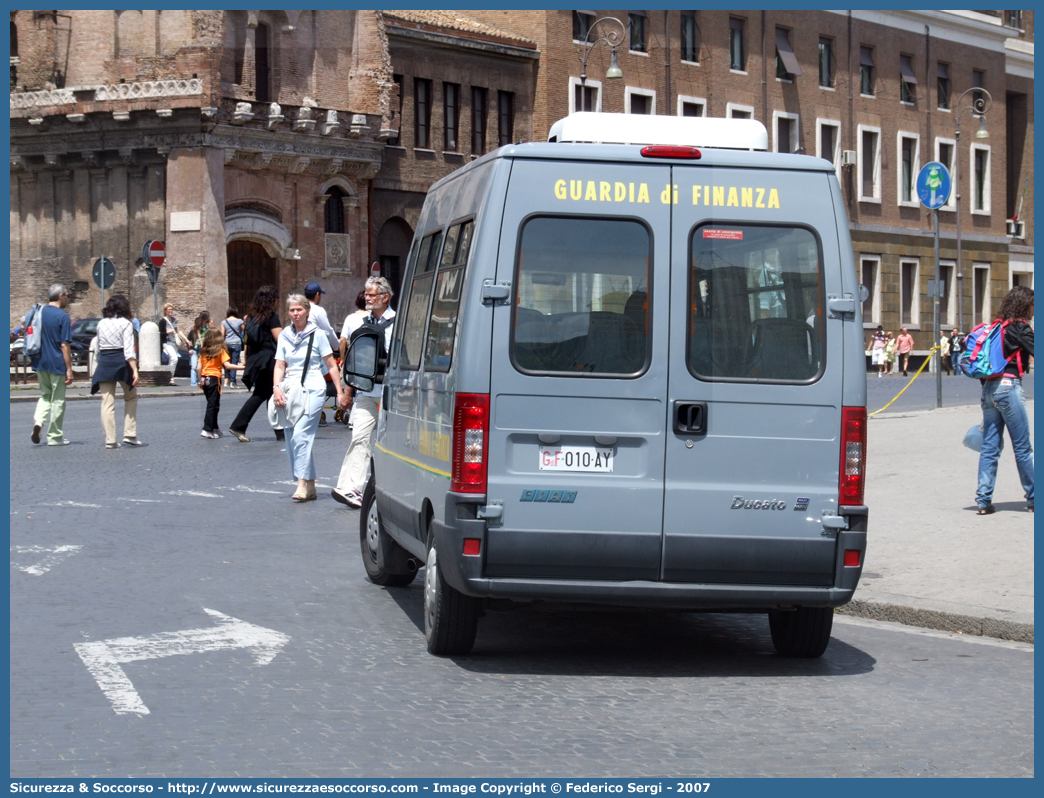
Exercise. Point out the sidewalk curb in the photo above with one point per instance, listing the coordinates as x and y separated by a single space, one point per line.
942 621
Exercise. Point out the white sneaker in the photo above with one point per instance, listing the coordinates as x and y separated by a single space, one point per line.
353 498
205 434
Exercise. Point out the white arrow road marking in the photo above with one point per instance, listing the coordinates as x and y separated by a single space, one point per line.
197 493
72 504
55 554
103 657
144 501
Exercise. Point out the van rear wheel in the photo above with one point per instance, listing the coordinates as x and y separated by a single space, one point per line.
804 632
450 617
371 536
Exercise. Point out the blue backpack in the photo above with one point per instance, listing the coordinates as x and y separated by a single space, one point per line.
983 355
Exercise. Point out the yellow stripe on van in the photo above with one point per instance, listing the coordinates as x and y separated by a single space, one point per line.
414 463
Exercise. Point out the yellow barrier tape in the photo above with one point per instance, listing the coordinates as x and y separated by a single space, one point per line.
917 373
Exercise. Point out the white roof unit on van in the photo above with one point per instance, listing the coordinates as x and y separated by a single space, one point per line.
692 131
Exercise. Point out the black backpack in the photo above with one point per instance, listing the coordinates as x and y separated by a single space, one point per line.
374 328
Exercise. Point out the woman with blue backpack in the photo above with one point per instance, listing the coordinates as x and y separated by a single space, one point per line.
1003 402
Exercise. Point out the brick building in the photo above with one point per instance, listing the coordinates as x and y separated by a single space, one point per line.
465 88
875 92
247 140
298 145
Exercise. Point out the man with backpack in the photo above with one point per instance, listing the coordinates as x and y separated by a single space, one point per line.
48 341
355 469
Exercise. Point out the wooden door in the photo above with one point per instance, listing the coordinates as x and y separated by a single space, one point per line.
249 268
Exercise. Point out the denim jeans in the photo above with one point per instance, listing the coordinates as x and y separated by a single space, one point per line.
194 369
233 357
1004 404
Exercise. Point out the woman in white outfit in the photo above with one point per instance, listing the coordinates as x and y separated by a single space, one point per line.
300 353
117 362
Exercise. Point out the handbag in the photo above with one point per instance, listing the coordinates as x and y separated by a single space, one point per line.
973 439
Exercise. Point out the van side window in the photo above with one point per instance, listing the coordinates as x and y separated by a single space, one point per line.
420 293
756 302
582 304
442 326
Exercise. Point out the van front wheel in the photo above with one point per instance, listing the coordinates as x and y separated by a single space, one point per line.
371 537
450 617
804 632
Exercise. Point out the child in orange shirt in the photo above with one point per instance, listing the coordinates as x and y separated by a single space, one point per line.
212 360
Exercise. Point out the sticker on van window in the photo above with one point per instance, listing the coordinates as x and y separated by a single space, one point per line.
731 235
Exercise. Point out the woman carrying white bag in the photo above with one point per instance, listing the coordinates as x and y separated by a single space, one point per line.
300 390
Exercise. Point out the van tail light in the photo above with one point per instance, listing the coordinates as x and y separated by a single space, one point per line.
670 151
470 443
853 455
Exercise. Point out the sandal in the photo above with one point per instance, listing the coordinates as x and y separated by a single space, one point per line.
304 497
987 510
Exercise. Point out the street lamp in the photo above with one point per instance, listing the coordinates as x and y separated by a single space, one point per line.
979 105
613 39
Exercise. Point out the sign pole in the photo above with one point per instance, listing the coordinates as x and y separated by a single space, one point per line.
935 320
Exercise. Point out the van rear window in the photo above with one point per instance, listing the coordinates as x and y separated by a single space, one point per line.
756 303
582 304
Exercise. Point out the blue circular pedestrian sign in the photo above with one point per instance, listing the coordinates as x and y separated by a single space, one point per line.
933 185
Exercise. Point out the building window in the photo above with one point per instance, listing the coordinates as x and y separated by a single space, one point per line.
734 111
787 67
261 66
980 178
636 27
947 270
14 56
334 211
691 106
505 117
393 141
907 79
1013 19
422 113
587 97
980 293
737 47
866 71
944 152
909 291
979 82
785 127
826 62
639 101
828 140
870 272
942 86
582 24
869 156
909 157
451 116
689 42
478 121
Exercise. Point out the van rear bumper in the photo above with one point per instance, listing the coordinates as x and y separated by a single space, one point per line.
465 574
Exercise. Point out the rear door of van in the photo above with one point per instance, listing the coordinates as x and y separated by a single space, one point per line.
755 385
578 377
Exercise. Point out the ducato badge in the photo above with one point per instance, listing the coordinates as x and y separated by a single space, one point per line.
739 503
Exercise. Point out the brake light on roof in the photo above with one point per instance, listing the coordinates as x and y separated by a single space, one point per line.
470 441
853 455
670 151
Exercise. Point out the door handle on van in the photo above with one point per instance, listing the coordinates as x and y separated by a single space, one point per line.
690 418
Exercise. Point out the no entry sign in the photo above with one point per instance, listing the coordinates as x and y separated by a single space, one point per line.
154 253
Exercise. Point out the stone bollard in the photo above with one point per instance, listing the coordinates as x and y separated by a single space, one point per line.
150 369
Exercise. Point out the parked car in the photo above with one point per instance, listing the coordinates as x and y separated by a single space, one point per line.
83 330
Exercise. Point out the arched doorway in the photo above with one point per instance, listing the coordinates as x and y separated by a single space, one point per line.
393 247
249 268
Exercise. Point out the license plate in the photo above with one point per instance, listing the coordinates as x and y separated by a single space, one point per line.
576 458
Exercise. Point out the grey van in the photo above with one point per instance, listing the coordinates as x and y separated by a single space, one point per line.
627 370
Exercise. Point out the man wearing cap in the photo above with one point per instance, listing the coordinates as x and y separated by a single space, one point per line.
313 293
